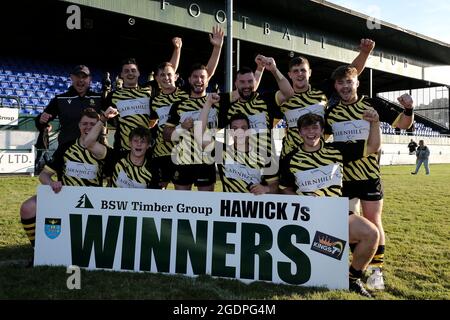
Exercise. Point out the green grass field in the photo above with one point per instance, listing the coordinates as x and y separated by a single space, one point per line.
416 220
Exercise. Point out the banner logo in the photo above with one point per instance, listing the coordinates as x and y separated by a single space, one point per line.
52 227
328 245
84 202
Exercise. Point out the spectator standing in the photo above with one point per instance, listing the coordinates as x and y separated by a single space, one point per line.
422 154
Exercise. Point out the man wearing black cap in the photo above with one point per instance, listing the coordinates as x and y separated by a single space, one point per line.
69 105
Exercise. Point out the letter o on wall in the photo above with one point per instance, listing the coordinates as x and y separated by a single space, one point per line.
194 10
221 16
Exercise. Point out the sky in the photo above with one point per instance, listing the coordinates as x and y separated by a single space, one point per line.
428 17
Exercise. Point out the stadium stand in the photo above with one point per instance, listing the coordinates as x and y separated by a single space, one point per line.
31 84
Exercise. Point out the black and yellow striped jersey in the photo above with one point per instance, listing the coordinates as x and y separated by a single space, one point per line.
187 151
240 170
161 105
319 173
262 110
311 101
76 166
128 175
134 109
345 122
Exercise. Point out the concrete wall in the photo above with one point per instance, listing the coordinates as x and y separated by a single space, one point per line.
395 151
17 139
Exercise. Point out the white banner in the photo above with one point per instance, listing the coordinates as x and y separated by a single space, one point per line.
292 116
318 178
350 130
9 116
163 114
16 162
277 238
133 106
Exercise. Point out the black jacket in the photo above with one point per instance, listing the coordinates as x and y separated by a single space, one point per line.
67 107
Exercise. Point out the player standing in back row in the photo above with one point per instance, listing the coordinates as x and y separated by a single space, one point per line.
362 180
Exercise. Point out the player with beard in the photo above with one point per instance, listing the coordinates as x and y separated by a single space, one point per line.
261 109
362 178
191 164
166 78
67 107
242 169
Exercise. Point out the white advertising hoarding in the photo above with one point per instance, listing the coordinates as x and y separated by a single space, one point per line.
276 238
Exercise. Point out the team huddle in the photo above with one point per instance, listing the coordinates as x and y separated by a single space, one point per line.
183 135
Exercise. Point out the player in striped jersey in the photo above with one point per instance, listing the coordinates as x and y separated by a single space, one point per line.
192 165
307 99
315 169
133 101
261 109
134 170
73 164
362 179
133 105
166 77
240 167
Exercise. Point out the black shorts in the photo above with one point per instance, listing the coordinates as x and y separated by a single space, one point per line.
165 167
369 190
201 175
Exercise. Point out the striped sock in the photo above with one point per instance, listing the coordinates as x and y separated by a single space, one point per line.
378 258
354 274
29 225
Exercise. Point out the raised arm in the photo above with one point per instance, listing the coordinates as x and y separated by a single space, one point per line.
283 83
374 139
175 60
407 117
90 141
199 135
259 71
216 39
366 47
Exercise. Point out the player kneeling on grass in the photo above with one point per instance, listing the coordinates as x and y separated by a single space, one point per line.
300 176
73 164
134 170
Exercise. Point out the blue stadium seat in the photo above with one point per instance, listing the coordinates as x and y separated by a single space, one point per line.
5 84
15 85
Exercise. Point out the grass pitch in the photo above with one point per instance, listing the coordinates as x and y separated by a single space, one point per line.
416 221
